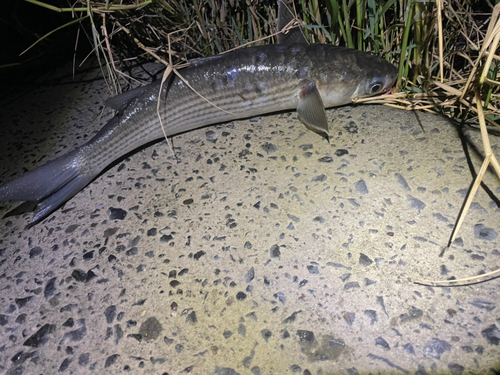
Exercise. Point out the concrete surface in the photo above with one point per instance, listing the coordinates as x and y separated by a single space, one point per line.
261 250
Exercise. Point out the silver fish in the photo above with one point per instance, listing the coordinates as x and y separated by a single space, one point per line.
245 83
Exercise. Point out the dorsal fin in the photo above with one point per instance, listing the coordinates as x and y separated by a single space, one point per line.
119 102
285 15
203 60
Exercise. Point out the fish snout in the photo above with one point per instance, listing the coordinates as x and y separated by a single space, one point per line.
390 79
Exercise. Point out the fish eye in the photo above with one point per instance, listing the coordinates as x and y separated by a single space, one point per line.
376 87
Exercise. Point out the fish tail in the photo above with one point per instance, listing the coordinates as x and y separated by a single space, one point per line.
51 184
57 181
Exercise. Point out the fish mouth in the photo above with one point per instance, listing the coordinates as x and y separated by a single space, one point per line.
387 90
391 80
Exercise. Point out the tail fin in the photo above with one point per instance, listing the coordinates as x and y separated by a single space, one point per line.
50 185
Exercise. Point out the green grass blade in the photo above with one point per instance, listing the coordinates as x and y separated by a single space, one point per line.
78 20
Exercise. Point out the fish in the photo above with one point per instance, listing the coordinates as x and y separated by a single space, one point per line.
240 84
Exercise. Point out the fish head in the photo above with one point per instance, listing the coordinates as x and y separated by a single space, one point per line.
375 78
348 74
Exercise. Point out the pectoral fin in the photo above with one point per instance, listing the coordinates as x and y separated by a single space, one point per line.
311 110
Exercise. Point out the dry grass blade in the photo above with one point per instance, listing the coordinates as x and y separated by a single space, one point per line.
475 279
489 158
459 91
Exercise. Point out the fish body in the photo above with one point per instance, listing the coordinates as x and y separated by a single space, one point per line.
240 84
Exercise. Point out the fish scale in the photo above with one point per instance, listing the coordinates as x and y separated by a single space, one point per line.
244 83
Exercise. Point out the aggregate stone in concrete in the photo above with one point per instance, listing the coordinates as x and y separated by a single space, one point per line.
259 249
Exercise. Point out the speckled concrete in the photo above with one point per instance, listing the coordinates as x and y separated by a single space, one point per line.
261 249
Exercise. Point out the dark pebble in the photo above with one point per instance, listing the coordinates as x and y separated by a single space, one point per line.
381 342
136 336
302 283
150 329
285 334
435 348
364 260
242 330
211 136
456 369
269 148
280 296
483 233
351 128
369 282
292 317
249 276
360 187
110 313
88 255
313 269
111 360
79 275
402 182
199 254
90 275
306 336
491 334
326 159
35 252
116 213
39 337
50 288
64 365
319 178
21 302
345 276
275 251
191 318
110 232
349 317
240 296
166 238
69 323
140 302
84 359
483 304
351 285
416 203
158 361
266 334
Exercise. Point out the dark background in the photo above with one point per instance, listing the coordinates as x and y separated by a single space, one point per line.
22 23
